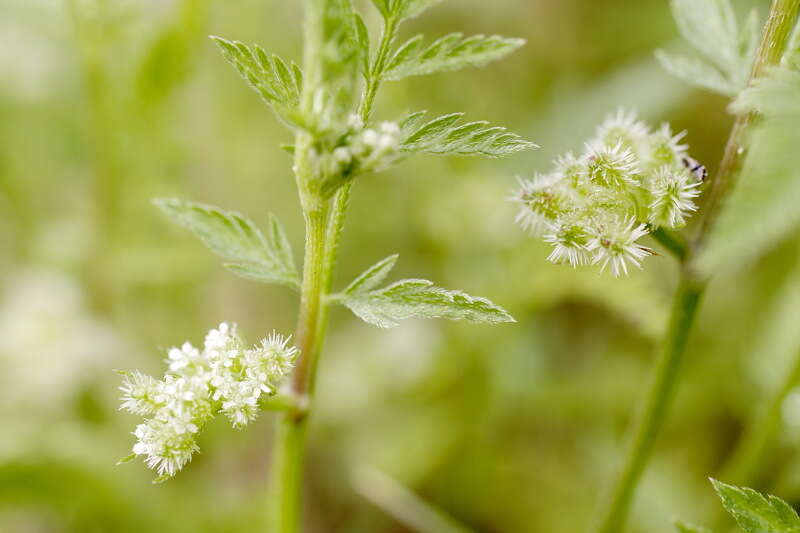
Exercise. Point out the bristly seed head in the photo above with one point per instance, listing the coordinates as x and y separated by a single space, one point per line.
594 208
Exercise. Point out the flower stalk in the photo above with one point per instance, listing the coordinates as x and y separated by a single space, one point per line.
774 40
659 397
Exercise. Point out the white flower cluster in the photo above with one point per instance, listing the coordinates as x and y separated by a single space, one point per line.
366 149
224 377
595 208
358 150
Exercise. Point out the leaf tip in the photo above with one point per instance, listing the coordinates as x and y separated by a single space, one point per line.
126 459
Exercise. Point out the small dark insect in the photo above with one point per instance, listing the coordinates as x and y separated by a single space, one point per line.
696 168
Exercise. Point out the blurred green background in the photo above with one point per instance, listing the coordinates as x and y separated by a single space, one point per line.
105 104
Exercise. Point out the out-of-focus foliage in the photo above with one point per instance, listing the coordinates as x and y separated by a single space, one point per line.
411 298
727 52
451 52
234 238
106 104
765 208
448 135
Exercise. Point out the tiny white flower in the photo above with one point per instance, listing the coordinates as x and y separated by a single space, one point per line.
370 138
219 338
673 193
390 128
187 356
573 170
665 148
342 155
611 166
355 122
615 243
569 239
541 201
139 392
622 127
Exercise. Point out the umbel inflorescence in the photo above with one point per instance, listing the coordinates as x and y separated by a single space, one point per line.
225 377
595 208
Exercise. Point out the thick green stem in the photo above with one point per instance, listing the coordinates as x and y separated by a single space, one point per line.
773 44
659 397
322 246
287 475
287 468
324 223
290 438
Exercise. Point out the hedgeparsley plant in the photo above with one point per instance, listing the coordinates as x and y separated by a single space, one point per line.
327 104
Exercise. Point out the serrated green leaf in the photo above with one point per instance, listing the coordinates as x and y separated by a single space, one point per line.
434 129
447 135
763 209
362 37
413 121
407 9
710 27
756 514
342 50
685 527
372 277
420 298
383 7
448 53
238 241
126 459
280 245
279 85
696 72
404 52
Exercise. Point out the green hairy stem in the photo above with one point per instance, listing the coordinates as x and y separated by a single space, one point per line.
291 433
324 224
775 37
659 396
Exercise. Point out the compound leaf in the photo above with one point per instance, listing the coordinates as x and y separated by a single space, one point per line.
755 513
372 277
696 72
413 298
449 135
280 85
451 52
234 238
